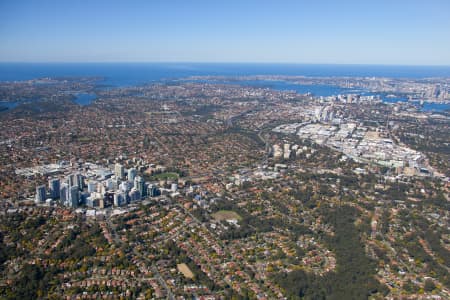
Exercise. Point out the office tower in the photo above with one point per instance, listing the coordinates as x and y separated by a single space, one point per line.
92 201
54 188
117 199
287 151
63 193
40 194
120 199
174 187
132 174
125 186
139 185
82 197
134 195
101 189
73 196
71 180
92 186
109 184
152 191
79 181
101 203
119 171
125 198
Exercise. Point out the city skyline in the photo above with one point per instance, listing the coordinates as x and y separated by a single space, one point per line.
350 32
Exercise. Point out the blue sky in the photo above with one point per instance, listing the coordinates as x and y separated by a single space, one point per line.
413 32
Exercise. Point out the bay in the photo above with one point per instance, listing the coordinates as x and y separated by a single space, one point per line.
129 74
124 74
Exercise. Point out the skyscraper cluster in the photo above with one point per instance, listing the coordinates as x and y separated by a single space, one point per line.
125 186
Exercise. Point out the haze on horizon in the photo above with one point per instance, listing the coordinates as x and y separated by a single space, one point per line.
399 32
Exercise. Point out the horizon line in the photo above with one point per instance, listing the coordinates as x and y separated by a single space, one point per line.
224 62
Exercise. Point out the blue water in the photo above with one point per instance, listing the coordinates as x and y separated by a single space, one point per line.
81 99
123 74
127 74
330 90
435 107
84 98
427 106
9 104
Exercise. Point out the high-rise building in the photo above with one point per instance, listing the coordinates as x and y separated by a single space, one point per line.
117 199
101 203
79 181
139 185
132 174
119 171
92 186
134 195
152 191
54 188
287 151
125 186
71 180
92 202
108 199
74 195
40 194
102 189
120 199
125 198
109 184
63 193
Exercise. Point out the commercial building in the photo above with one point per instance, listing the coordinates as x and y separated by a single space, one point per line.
119 171
139 185
54 188
40 194
74 196
131 174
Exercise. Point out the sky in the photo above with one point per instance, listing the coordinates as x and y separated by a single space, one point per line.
391 32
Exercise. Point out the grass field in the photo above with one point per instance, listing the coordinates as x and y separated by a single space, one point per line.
164 176
226 215
184 269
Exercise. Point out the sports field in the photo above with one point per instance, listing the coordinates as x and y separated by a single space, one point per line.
226 215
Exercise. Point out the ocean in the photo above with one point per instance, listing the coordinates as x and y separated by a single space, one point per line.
123 74
128 74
